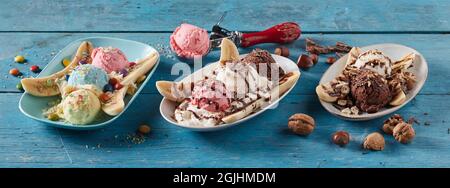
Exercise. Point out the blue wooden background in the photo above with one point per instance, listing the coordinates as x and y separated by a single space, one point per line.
38 29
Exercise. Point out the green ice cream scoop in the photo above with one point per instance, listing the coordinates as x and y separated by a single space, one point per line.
81 107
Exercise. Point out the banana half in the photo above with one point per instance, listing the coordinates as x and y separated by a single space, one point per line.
47 86
353 55
116 105
228 51
404 63
290 80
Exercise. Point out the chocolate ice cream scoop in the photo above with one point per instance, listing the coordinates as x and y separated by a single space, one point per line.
259 58
370 91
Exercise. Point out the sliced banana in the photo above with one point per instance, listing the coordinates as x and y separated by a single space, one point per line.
116 104
353 55
404 63
228 51
47 86
173 91
323 95
398 99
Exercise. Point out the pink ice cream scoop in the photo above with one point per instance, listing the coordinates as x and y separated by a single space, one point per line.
189 41
109 59
211 95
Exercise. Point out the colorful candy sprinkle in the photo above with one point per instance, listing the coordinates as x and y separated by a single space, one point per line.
104 97
108 87
14 72
144 129
35 69
66 62
19 59
53 117
19 86
113 81
118 86
124 72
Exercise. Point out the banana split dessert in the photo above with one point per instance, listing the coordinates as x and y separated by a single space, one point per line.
97 79
233 89
369 82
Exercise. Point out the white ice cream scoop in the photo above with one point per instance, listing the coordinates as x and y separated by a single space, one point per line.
376 61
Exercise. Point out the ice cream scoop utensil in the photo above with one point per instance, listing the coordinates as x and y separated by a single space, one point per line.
281 33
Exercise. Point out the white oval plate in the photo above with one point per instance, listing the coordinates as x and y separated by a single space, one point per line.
394 52
167 107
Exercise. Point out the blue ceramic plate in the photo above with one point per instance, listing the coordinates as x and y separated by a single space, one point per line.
33 106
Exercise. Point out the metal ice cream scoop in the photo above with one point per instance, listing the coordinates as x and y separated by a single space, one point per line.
281 33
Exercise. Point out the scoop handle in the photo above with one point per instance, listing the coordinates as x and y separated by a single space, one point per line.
282 33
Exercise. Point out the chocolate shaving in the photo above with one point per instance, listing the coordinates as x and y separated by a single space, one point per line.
412 120
314 48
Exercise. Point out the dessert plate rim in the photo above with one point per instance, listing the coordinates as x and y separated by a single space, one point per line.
333 69
58 57
169 119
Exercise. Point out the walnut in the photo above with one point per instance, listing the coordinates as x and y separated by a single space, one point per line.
374 141
301 124
404 132
389 124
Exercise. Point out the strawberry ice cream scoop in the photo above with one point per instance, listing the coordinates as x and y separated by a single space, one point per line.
109 59
189 41
211 95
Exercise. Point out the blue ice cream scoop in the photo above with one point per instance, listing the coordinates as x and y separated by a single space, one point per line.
88 75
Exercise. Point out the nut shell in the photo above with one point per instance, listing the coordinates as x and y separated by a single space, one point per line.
301 124
404 133
374 141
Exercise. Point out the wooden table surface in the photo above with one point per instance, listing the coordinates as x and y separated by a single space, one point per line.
38 29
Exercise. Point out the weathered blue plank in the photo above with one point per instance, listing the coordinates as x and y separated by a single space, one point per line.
260 142
38 49
107 15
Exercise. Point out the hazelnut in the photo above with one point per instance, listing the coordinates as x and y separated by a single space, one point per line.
374 141
404 132
304 61
301 124
389 124
331 60
341 138
314 58
283 51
